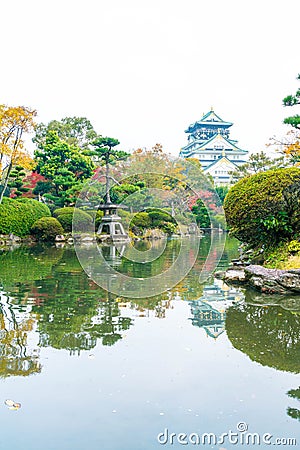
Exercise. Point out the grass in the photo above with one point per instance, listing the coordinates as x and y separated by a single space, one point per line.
283 256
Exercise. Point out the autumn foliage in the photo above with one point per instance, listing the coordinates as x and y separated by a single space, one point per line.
14 122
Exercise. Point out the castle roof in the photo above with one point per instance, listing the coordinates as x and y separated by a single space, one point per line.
208 119
218 138
219 161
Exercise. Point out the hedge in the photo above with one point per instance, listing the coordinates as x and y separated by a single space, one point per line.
153 218
46 228
18 216
265 207
67 210
66 216
158 216
141 220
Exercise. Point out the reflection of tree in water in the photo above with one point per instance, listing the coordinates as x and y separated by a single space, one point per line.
21 270
73 313
26 264
143 307
17 358
154 267
268 335
77 312
108 324
294 413
222 248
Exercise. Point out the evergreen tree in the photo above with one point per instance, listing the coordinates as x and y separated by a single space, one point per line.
104 151
65 166
292 100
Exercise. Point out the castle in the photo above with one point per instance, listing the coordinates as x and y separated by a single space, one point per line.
209 141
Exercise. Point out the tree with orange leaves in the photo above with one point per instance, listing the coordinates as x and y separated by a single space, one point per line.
289 146
14 122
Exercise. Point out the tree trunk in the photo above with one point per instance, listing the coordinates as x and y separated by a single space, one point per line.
5 182
19 132
107 180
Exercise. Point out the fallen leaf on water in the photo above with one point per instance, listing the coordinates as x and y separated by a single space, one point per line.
12 405
15 407
9 402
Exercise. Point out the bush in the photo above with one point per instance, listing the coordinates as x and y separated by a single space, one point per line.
140 220
159 217
153 218
18 216
67 216
168 228
264 208
61 211
96 214
46 229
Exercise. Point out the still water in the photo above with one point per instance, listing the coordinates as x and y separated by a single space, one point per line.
96 370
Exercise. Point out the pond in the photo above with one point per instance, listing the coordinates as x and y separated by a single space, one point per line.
197 364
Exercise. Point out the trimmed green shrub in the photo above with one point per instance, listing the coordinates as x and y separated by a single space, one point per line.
46 229
60 211
18 216
153 218
265 208
81 220
141 220
157 217
66 221
96 214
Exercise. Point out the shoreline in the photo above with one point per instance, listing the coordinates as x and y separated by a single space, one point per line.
262 279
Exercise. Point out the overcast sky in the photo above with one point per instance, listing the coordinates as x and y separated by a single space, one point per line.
142 71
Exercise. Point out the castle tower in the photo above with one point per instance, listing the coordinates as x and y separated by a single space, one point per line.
209 141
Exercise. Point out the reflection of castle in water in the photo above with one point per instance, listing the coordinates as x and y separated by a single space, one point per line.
209 311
